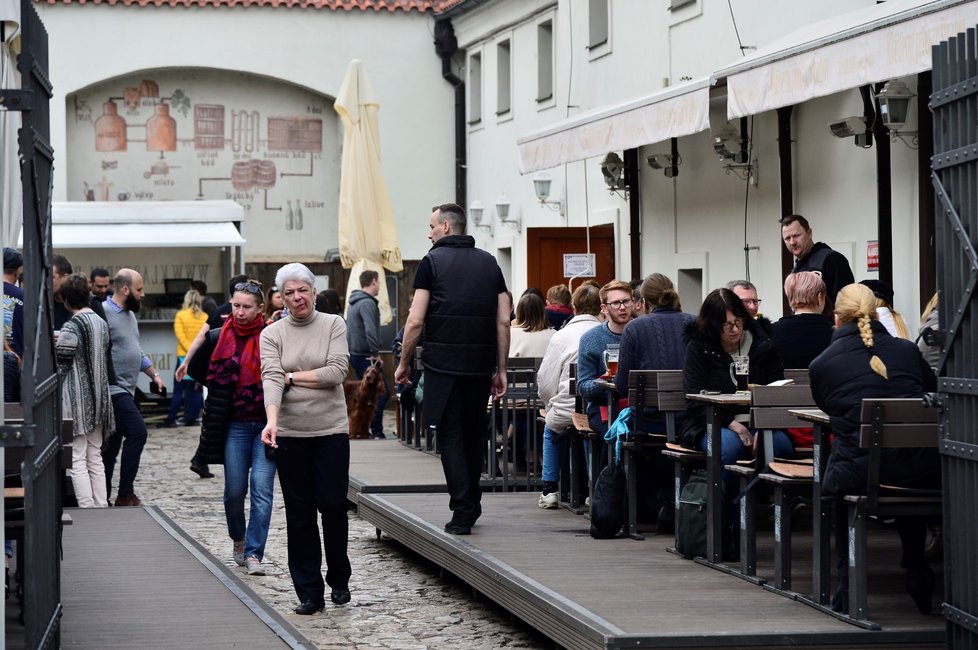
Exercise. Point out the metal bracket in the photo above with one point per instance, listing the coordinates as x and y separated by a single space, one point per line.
17 435
959 449
958 386
16 100
953 93
960 618
954 157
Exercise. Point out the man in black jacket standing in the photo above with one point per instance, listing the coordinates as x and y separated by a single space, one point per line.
461 304
796 233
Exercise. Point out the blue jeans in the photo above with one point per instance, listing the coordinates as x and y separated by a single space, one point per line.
553 446
360 364
243 451
732 449
129 427
190 396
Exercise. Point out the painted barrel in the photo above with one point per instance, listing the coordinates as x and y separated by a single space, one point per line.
242 176
264 173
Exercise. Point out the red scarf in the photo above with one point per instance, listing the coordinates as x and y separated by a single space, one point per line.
226 366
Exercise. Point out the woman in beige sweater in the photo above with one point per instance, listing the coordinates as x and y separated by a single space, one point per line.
304 360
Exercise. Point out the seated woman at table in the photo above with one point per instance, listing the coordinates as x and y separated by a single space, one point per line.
806 333
865 361
724 330
531 333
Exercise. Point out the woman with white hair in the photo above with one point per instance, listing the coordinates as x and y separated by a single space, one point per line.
304 360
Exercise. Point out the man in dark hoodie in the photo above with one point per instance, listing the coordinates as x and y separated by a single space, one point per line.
363 339
810 256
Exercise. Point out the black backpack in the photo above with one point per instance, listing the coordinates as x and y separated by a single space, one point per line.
608 502
691 519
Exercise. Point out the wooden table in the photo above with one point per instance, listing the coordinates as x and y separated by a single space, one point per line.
822 521
716 404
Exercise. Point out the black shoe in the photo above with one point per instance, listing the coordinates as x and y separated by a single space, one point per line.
457 529
920 585
168 425
378 436
201 470
340 596
309 607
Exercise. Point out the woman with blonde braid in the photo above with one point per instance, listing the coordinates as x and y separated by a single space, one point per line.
865 361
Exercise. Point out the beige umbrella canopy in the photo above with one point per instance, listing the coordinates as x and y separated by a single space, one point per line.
11 195
368 235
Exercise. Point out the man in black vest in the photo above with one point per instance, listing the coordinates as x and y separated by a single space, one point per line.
461 304
810 256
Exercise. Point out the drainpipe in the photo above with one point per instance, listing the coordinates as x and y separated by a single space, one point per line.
884 177
787 192
634 211
446 45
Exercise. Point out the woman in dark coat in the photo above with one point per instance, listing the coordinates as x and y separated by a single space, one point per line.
722 331
865 361
806 333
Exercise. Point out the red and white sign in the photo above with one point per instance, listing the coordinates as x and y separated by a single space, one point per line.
873 255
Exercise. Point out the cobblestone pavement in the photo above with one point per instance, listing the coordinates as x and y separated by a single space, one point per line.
399 599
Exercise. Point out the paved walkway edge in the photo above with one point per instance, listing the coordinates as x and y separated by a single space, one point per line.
275 621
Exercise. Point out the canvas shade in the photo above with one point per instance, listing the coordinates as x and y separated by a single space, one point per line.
367 233
11 193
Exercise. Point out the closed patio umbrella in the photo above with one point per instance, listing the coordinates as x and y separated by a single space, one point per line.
368 235
11 201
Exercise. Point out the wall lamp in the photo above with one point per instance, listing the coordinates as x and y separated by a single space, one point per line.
541 185
613 170
731 146
502 211
894 100
477 212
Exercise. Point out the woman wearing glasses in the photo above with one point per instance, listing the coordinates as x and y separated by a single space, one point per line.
304 362
724 333
235 398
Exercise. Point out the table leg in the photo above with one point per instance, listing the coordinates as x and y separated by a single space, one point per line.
715 504
821 520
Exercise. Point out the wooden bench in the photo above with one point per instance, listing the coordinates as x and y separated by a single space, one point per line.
661 391
886 424
770 407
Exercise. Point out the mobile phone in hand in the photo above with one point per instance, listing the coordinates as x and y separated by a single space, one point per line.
161 391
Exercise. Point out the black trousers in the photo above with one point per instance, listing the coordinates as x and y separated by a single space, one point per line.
314 473
456 407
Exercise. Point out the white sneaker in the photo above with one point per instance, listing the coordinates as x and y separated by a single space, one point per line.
238 552
548 501
254 566
587 503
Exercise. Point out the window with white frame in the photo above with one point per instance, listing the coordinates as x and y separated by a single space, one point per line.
545 61
503 78
475 88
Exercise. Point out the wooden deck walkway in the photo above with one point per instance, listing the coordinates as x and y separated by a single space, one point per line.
388 466
543 567
131 578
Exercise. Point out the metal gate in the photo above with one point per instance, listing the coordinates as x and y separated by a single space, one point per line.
40 433
955 176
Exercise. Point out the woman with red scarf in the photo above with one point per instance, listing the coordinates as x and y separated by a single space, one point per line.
235 386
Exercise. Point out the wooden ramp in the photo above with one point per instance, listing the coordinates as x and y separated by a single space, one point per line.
387 466
543 567
132 579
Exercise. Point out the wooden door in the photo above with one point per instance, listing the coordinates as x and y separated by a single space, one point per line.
546 248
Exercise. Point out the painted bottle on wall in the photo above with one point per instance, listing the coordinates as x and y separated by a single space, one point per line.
298 214
110 129
161 130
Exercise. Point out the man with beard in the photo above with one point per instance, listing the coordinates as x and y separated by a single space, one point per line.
129 360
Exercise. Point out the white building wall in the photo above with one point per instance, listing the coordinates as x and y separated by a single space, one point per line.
309 48
696 220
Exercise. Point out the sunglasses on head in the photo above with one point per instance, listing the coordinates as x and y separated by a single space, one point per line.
250 287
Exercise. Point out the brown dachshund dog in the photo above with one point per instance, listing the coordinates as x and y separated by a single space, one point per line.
361 401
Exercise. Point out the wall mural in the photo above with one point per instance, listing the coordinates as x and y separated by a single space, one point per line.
177 135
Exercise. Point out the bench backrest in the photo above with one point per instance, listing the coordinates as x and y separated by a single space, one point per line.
893 422
897 422
800 375
770 405
659 389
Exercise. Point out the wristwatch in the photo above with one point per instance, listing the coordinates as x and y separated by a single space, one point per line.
289 377
156 374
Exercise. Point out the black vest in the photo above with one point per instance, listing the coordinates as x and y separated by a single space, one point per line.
460 325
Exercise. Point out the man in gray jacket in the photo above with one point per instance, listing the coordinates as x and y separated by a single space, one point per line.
363 339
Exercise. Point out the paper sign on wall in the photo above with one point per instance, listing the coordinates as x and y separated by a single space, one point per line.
579 265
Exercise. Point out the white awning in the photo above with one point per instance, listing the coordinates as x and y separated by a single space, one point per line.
146 224
885 41
671 113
